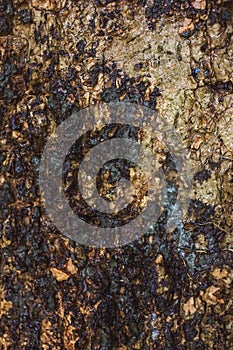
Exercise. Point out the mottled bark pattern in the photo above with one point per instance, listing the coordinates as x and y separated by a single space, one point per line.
165 291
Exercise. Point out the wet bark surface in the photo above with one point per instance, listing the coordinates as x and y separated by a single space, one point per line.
163 291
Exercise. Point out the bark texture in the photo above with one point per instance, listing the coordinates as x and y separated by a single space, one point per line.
162 291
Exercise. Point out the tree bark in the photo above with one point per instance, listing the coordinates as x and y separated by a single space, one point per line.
165 290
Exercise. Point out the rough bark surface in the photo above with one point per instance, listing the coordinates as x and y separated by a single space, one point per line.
162 291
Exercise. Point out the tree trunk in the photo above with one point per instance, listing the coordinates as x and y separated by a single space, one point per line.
169 289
